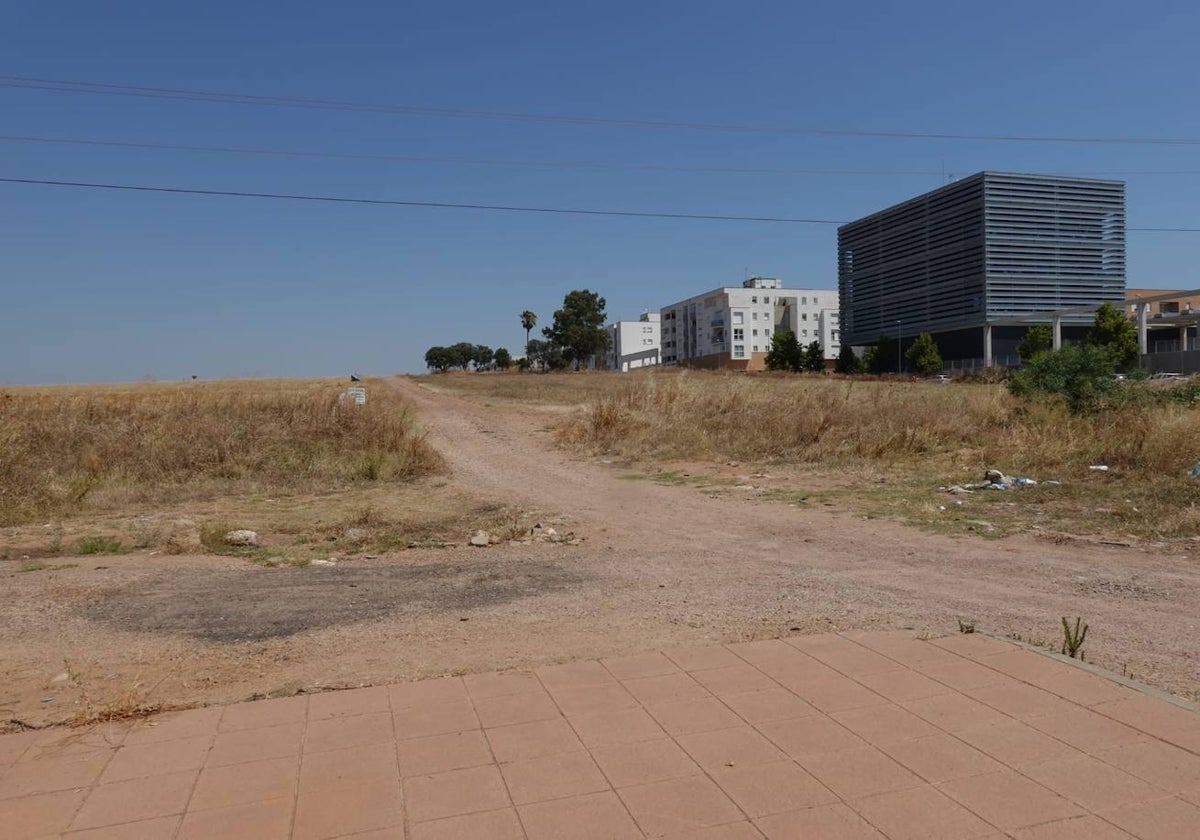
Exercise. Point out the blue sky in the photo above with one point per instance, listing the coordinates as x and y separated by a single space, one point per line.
102 286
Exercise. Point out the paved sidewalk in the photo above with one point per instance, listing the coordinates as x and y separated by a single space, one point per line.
835 737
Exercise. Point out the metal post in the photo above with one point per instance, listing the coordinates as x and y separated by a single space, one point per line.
899 346
987 345
1056 343
1141 327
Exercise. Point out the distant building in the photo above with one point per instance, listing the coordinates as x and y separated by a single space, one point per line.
1185 304
990 248
632 344
732 327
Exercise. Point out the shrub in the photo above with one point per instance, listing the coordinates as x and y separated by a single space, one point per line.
923 356
1081 375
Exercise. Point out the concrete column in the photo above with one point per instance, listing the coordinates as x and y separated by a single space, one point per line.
987 345
1056 342
1183 338
1141 327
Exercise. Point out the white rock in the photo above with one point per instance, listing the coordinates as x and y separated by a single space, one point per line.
241 537
481 539
321 562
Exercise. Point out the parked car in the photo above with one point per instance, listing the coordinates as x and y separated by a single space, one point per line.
1167 376
941 377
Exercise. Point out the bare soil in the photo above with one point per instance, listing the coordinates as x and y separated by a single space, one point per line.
660 564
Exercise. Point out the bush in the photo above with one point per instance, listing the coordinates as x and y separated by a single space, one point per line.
923 356
1081 375
847 362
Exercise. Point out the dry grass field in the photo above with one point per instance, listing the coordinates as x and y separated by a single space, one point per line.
173 466
887 446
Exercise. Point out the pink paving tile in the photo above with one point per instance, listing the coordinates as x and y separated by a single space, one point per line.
515 708
642 665
1016 744
825 822
962 674
574 673
1078 686
423 756
770 704
483 686
974 645
941 758
728 831
954 712
904 647
163 828
1163 765
683 717
139 799
12 747
157 759
922 814
50 774
425 720
729 748
810 736
764 789
553 777
396 832
1158 718
678 805
492 825
1085 730
734 679
349 703
353 765
853 774
256 744
171 726
68 742
1168 819
899 686
455 792
441 690
1018 700
263 713
270 820
669 688
530 740
1092 783
648 761
347 810
596 816
885 724
339 733
836 695
607 727
32 817
576 699
1076 828
240 784
702 658
1010 801
848 658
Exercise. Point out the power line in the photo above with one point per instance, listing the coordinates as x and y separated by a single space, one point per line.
525 164
102 88
412 203
457 206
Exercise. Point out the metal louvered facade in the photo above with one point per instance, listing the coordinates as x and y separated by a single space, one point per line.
989 247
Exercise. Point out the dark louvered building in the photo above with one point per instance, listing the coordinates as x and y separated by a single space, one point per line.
989 248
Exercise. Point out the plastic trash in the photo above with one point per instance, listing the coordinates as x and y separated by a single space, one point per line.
1023 482
1194 472
1099 467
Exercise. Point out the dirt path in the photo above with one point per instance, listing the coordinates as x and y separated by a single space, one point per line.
660 565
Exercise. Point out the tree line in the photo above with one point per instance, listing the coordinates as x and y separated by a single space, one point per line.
464 355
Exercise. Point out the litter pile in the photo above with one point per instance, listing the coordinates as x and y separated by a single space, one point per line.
993 480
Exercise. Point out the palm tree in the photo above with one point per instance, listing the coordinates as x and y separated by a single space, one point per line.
528 321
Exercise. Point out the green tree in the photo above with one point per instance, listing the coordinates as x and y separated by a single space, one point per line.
881 358
1114 331
847 362
923 355
481 355
1038 339
785 352
528 322
1081 375
439 359
544 354
461 354
503 358
578 328
814 357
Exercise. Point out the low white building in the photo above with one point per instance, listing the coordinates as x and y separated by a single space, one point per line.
731 327
632 344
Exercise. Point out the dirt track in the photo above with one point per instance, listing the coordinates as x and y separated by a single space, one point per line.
659 565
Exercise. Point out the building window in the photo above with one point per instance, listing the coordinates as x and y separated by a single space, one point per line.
804 301
814 301
739 334
767 333
754 299
834 335
756 332
737 317
754 316
803 316
755 348
766 299
804 333
739 351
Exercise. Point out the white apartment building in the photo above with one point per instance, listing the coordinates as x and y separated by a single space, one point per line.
632 344
731 327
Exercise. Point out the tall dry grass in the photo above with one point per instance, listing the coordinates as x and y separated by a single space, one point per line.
66 449
695 415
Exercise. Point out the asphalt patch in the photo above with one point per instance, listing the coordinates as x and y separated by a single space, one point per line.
256 604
